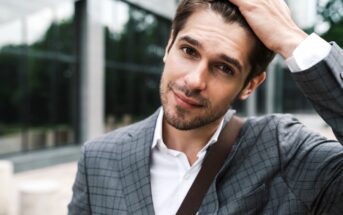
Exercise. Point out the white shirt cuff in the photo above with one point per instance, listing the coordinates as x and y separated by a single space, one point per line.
310 52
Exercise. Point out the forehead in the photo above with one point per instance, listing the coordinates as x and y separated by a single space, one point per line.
218 37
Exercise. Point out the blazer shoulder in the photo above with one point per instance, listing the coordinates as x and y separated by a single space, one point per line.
290 136
111 140
283 130
282 126
272 122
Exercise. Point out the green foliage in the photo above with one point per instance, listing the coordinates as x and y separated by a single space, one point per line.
36 82
335 33
332 13
35 86
59 37
10 93
136 51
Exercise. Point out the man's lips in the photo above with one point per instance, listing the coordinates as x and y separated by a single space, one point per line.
186 102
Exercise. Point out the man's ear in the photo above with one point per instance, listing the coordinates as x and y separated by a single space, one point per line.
252 85
166 51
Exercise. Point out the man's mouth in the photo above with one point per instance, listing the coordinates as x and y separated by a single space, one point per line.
185 98
186 102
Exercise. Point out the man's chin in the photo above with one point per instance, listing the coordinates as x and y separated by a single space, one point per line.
180 124
186 123
178 120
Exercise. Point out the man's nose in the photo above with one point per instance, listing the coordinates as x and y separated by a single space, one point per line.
197 78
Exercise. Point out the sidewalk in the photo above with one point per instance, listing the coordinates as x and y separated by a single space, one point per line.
63 174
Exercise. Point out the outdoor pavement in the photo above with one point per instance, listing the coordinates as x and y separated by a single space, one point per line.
64 174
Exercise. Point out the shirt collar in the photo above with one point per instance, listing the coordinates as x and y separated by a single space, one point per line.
158 140
158 130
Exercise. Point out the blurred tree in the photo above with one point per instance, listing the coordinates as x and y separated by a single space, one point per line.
136 51
331 12
335 33
10 93
49 76
45 75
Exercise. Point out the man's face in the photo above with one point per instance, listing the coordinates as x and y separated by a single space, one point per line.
205 70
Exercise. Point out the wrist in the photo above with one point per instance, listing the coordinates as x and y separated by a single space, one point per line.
310 52
290 43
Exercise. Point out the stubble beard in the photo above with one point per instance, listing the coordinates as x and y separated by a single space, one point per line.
176 115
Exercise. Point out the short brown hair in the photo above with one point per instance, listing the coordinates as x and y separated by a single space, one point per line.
260 57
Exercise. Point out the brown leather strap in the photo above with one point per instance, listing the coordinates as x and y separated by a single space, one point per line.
210 167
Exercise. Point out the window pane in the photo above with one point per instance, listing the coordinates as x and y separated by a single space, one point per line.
37 72
51 29
50 103
11 103
135 44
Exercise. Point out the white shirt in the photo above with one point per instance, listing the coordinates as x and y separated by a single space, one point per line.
171 173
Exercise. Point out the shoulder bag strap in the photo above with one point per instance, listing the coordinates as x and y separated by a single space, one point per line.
210 167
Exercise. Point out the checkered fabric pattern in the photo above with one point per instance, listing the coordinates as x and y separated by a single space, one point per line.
277 166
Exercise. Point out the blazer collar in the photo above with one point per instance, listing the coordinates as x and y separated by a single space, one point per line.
134 163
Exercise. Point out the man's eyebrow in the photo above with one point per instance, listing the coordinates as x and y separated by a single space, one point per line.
191 40
231 60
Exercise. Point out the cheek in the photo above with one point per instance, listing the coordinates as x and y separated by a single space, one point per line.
224 94
177 66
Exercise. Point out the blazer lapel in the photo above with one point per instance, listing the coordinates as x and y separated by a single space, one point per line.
135 167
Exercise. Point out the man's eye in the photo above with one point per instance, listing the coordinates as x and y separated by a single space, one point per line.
226 69
189 51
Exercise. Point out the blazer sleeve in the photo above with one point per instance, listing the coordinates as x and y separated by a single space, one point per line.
322 84
79 204
314 167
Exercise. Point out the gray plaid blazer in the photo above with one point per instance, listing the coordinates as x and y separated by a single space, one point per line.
277 166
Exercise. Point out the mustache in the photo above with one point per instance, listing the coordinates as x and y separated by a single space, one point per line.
195 94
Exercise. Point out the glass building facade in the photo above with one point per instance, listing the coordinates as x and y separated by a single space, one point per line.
40 73
134 47
37 70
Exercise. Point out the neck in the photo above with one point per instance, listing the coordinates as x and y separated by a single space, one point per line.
189 142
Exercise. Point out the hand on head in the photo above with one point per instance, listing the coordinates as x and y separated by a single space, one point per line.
272 22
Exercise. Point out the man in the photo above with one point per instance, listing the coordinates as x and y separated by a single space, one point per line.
215 56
